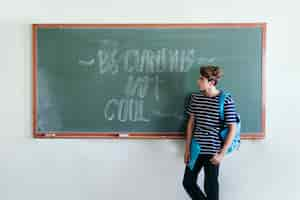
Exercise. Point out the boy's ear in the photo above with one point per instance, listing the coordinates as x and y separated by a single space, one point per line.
213 82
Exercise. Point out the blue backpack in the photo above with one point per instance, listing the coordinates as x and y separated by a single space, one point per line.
224 129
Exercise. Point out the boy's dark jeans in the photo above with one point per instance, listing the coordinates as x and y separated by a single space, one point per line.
211 184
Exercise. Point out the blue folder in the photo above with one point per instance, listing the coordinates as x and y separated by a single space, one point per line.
195 150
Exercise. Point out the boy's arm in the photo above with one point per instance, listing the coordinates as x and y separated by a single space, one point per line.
219 156
230 120
189 133
229 138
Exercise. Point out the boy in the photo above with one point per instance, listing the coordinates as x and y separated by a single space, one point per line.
203 125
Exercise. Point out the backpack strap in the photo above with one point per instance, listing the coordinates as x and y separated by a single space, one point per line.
222 98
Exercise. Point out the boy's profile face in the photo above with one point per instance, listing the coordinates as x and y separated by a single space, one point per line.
204 84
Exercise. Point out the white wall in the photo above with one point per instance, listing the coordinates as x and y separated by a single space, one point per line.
130 169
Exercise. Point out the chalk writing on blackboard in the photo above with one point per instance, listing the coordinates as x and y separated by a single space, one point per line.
144 67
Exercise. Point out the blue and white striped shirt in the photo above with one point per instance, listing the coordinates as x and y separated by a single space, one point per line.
207 122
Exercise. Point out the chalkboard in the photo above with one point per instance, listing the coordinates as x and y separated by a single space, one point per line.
133 80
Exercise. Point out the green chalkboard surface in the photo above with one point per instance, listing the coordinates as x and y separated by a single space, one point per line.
134 79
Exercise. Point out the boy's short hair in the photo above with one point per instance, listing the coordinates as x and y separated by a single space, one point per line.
211 72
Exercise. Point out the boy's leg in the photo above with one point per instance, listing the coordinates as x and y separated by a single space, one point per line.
190 181
211 180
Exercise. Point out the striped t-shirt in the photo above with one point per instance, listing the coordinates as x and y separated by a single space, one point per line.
207 120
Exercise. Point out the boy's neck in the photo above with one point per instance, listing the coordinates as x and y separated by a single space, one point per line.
213 92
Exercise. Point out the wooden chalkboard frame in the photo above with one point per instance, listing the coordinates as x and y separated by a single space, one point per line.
143 135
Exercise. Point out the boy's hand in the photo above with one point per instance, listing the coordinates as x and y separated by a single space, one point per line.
217 158
186 157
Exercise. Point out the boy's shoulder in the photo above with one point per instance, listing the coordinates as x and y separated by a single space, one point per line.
227 96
